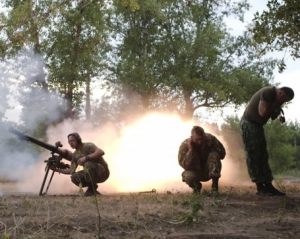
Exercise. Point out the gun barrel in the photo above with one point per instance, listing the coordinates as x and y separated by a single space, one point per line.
23 136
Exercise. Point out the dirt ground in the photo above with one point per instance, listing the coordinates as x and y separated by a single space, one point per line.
236 213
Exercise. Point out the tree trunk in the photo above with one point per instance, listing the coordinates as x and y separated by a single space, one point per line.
189 109
88 99
69 96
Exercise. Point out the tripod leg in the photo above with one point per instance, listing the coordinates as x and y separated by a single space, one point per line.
44 180
49 182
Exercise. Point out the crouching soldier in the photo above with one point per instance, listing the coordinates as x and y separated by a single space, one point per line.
91 158
200 155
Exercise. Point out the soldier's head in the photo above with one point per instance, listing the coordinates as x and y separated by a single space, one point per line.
285 93
197 135
74 140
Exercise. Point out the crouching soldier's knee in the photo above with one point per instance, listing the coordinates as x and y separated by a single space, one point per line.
75 179
189 177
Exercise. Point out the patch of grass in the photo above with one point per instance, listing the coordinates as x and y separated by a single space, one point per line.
160 215
289 173
221 201
193 203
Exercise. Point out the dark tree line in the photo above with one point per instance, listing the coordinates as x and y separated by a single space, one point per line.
172 56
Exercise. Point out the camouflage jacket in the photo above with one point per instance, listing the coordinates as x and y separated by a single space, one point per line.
87 148
197 158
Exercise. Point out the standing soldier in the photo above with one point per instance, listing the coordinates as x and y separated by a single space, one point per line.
91 158
264 104
200 156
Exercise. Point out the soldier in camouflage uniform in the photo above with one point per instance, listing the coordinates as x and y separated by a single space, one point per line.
264 104
91 158
200 156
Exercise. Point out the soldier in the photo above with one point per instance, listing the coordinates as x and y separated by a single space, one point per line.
200 156
264 104
91 158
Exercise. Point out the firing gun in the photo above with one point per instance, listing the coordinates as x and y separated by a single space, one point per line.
26 137
53 160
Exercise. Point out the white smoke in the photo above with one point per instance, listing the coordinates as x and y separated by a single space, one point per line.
141 156
23 104
22 74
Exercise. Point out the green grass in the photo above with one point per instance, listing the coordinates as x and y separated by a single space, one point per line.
290 173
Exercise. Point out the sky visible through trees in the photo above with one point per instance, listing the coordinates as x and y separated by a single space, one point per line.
288 78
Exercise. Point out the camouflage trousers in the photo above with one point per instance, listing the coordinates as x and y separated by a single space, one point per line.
257 156
92 174
212 169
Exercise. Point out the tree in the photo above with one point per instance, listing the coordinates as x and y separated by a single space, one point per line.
295 142
116 108
75 49
278 27
281 151
180 57
69 36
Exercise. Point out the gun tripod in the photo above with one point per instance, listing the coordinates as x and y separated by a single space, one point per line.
53 160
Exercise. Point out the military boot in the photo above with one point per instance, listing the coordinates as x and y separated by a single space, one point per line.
261 190
92 190
270 188
215 186
197 188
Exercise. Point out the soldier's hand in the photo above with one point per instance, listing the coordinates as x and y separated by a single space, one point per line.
276 113
81 161
53 167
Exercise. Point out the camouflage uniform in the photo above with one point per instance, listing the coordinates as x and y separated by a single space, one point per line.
95 171
263 105
203 163
252 131
256 152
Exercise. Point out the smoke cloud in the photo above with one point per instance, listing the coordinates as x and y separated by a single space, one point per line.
31 104
141 156
23 104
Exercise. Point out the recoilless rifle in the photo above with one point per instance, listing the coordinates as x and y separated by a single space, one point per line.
53 160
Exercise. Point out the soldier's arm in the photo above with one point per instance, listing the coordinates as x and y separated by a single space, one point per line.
92 153
185 156
265 109
266 106
219 148
98 153
64 170
66 154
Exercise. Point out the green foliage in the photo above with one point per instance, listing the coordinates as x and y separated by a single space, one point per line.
232 124
133 4
295 141
175 56
6 236
281 152
70 36
282 142
278 27
195 204
180 57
